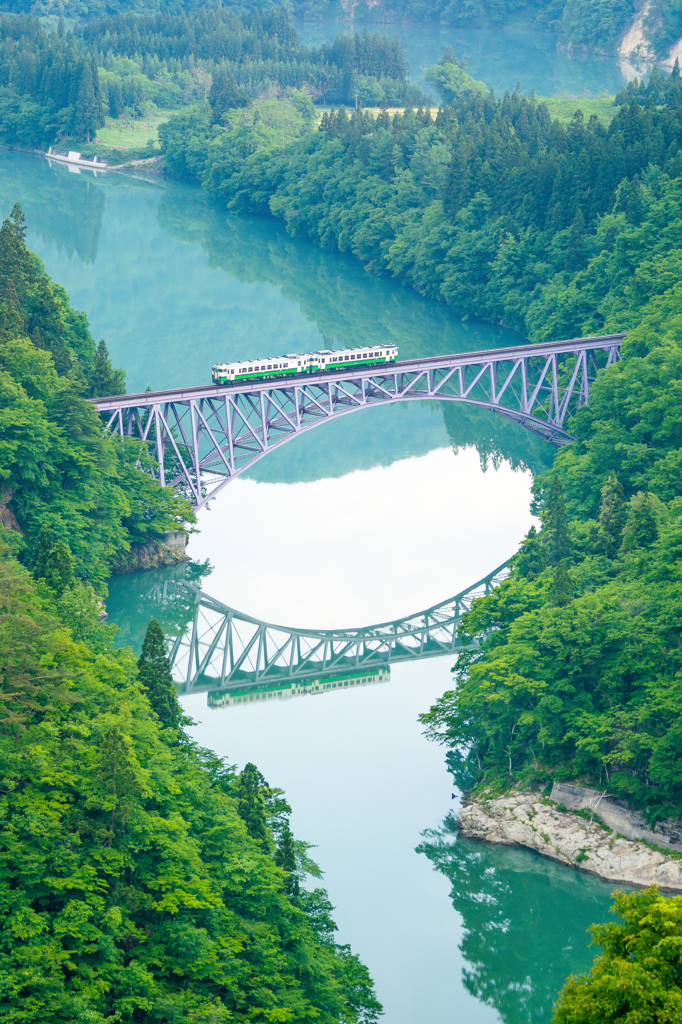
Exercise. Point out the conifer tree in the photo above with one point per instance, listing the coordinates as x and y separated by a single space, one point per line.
251 790
154 672
555 526
52 561
44 543
18 223
11 317
562 589
383 120
641 527
285 858
104 379
529 562
88 113
224 94
612 515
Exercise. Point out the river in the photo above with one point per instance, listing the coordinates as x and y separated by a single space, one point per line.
500 57
365 519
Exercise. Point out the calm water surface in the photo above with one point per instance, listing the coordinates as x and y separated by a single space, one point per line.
498 57
374 516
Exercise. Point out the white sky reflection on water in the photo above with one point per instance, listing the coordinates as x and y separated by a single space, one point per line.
364 783
369 546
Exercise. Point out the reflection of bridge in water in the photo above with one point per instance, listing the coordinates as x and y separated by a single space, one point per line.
227 651
203 437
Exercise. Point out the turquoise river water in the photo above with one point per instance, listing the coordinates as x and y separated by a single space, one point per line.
371 517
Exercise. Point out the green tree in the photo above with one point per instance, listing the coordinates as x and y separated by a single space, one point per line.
224 93
88 108
42 546
612 515
115 843
641 526
562 588
555 532
285 858
155 675
638 977
103 378
58 568
529 561
252 791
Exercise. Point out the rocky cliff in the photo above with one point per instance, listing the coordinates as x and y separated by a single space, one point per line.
527 819
167 550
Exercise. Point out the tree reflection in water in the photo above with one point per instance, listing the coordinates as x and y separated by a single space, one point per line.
525 921
134 598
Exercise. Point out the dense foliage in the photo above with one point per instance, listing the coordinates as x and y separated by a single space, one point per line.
60 86
57 470
140 878
591 24
255 51
492 208
579 672
559 232
638 977
48 88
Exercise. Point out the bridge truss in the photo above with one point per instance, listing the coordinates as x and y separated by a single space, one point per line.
202 438
223 648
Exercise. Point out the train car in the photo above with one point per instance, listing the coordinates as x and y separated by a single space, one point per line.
293 365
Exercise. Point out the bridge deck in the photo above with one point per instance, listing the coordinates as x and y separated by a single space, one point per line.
403 366
204 437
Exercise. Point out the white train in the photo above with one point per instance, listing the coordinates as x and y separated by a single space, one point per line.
309 362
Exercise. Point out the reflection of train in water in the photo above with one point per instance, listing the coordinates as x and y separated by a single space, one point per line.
309 362
292 688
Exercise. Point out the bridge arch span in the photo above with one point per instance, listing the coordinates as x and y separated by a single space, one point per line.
202 438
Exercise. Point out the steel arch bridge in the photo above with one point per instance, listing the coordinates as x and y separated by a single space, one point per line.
204 437
224 649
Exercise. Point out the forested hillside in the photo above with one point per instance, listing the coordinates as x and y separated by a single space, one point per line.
558 232
140 877
59 477
592 24
492 208
579 674
56 86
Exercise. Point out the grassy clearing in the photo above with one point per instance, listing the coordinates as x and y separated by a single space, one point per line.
126 135
562 108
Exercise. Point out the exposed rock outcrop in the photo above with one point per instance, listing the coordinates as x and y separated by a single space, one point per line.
7 517
169 549
618 816
635 51
526 819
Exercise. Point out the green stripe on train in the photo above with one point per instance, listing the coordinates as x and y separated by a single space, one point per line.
283 373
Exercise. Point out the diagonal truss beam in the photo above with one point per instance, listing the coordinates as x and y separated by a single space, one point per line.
202 438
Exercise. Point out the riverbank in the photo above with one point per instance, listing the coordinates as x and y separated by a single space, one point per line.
532 821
